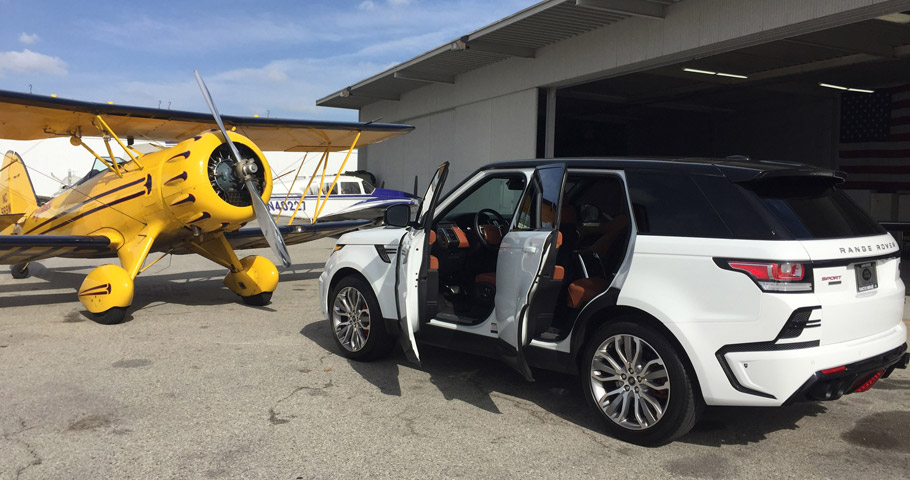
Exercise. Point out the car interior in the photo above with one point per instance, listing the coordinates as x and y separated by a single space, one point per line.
594 231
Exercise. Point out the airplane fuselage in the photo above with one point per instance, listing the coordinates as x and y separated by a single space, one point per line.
167 195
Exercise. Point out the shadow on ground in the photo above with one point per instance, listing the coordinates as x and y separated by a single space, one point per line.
194 288
477 380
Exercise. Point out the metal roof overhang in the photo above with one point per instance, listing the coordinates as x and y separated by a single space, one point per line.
519 35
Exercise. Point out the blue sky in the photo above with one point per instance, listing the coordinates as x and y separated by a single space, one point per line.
256 57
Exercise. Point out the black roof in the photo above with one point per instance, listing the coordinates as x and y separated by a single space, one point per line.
737 169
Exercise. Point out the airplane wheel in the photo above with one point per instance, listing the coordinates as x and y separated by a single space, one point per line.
258 300
112 316
19 271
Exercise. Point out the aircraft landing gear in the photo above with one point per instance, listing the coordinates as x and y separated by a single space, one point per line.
19 271
258 300
256 282
112 316
106 293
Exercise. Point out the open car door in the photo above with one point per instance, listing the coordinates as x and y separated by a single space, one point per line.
416 281
526 279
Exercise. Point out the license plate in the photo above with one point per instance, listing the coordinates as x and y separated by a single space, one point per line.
866 277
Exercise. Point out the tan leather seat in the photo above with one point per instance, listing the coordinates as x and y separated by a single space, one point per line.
486 277
583 290
434 262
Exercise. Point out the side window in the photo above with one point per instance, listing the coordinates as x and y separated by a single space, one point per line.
527 212
672 205
743 216
500 193
325 188
350 188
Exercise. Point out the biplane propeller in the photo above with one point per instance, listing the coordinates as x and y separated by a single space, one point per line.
192 197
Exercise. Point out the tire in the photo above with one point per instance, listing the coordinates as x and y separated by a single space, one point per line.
111 316
19 271
657 404
356 322
258 300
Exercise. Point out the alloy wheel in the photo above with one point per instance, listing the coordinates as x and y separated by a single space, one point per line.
629 382
351 319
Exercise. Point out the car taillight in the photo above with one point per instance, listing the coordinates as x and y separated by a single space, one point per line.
773 276
869 381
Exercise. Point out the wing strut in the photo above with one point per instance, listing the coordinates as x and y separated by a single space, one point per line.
338 174
291 189
324 158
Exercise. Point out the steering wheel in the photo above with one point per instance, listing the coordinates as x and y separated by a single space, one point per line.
487 217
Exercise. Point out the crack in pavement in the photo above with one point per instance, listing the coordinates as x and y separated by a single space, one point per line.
36 459
274 419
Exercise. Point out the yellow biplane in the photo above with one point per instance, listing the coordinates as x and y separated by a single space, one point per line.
192 197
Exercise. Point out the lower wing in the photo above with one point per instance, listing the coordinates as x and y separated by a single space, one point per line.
251 237
15 249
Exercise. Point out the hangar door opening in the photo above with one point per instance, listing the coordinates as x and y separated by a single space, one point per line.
828 98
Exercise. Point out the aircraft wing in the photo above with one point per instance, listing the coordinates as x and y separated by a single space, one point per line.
15 249
31 117
251 237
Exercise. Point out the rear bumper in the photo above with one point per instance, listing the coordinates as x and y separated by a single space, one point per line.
771 374
831 384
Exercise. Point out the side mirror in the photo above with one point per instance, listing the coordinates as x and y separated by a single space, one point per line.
397 215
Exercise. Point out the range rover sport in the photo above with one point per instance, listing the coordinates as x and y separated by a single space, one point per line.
664 285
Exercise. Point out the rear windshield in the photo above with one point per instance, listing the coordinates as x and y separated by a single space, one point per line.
813 208
786 208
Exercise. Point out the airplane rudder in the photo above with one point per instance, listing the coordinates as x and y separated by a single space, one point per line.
17 195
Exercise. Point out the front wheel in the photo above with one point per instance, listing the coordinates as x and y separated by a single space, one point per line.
19 271
638 383
357 324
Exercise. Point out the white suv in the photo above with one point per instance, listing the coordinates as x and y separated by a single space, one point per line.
664 284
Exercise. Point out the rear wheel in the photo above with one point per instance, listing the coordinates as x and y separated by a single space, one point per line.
357 324
638 383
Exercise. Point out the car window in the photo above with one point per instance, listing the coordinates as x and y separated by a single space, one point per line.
743 215
813 208
672 205
500 193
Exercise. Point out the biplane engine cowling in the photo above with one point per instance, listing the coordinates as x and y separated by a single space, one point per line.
203 187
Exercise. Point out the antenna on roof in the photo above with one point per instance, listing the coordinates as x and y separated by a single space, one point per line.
743 158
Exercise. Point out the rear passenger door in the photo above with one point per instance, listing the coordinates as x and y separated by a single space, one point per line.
525 262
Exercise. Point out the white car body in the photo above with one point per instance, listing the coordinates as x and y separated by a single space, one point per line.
731 332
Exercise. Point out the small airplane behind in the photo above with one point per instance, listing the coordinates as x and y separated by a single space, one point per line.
352 198
192 197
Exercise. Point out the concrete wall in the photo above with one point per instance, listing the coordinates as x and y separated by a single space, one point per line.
468 136
691 29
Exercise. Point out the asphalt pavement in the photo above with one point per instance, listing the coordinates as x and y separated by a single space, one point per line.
197 385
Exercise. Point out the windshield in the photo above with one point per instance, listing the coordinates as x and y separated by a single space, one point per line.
99 167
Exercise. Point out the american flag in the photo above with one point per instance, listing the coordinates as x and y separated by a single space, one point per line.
874 146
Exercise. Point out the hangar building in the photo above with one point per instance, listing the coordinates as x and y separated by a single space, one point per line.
816 81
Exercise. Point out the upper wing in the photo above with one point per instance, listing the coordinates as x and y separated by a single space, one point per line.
15 249
251 237
30 117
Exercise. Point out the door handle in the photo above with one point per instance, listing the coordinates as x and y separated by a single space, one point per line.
529 249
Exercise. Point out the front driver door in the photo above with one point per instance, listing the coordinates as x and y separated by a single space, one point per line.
411 276
525 263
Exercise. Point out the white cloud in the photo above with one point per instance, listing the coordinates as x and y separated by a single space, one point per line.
28 61
28 38
367 5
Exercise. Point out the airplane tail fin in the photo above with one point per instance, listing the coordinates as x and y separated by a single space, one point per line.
17 195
